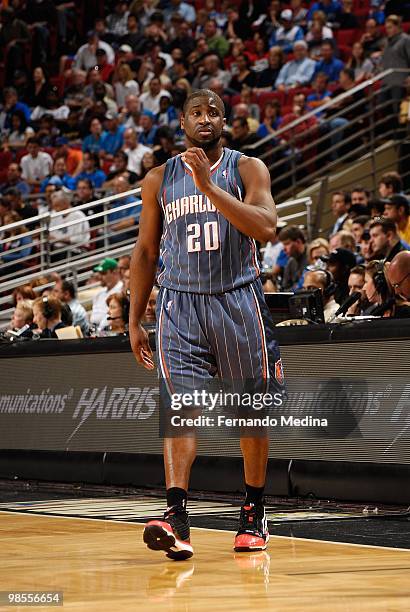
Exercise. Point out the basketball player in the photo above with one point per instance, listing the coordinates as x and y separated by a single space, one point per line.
202 211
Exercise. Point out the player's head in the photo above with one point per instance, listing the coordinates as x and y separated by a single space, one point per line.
203 118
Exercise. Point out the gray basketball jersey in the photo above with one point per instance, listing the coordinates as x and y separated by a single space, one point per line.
201 251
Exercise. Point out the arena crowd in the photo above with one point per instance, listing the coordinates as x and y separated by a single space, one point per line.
91 99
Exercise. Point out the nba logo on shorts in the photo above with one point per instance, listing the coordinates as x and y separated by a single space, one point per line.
279 372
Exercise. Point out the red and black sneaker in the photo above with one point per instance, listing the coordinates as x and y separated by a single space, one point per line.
171 534
253 531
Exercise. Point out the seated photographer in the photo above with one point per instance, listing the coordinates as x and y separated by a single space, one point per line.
323 280
381 295
47 316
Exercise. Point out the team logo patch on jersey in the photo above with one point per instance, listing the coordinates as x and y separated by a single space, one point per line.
279 372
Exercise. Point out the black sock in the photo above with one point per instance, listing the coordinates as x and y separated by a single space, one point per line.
254 495
176 497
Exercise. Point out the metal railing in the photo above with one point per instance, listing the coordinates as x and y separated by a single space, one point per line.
44 251
296 160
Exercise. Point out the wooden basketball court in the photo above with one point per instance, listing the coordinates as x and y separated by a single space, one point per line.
102 565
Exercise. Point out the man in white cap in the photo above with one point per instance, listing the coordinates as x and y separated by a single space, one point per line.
287 34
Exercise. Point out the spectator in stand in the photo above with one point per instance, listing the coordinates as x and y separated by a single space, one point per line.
242 110
11 104
390 184
323 280
356 284
91 170
320 94
112 138
372 39
73 238
118 19
398 274
134 150
14 33
19 132
346 19
86 58
340 208
24 209
120 168
103 66
14 180
124 84
150 311
363 67
294 245
214 40
287 34
339 263
38 88
23 315
298 71
36 165
271 119
210 70
122 220
147 163
384 239
241 135
359 224
148 134
266 79
243 76
111 283
167 114
396 54
343 239
359 196
318 32
65 291
150 99
304 132
130 113
123 265
59 176
329 64
299 13
47 316
184 9
397 208
93 142
331 8
73 157
53 106
23 293
17 248
316 249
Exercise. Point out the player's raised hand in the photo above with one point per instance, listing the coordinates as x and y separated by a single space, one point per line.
140 347
196 158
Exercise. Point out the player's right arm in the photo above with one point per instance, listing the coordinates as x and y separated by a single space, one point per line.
143 267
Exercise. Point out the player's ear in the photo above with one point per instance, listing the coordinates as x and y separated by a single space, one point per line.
224 122
181 120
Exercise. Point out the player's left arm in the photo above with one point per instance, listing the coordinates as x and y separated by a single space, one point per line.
256 215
